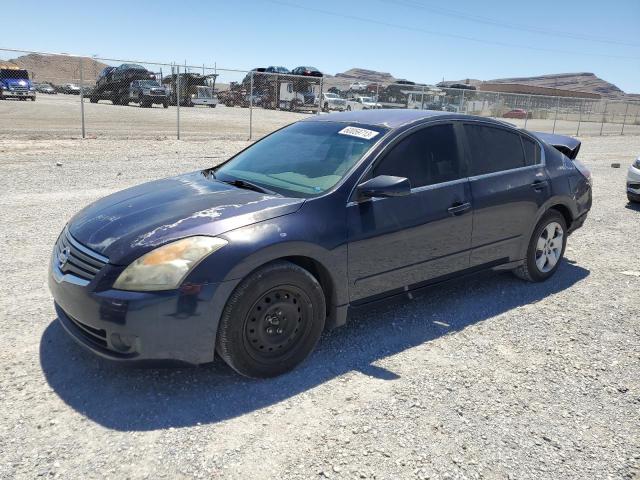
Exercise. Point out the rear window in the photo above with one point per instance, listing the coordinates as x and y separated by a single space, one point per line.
531 151
493 149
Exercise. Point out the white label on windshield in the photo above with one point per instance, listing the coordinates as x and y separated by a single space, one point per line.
358 132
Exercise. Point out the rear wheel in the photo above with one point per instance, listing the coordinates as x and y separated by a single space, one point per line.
272 321
633 198
546 248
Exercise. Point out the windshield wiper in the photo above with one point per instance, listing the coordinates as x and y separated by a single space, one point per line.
236 182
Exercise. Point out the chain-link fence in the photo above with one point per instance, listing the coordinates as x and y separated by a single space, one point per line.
111 98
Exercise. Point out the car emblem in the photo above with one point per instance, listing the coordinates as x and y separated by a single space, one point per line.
63 256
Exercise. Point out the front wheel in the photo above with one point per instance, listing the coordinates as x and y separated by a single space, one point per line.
272 321
546 248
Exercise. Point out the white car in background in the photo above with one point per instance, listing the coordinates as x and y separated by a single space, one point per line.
633 181
358 86
332 101
362 103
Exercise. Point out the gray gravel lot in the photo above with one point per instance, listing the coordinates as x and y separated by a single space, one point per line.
490 377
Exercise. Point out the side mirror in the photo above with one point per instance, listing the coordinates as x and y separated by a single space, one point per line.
384 186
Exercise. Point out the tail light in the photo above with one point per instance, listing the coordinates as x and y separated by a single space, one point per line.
582 168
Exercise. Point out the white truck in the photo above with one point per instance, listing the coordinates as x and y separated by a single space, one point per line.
332 101
362 103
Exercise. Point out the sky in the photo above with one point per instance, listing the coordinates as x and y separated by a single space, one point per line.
421 40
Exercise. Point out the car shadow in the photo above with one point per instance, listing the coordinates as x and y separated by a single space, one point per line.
633 206
132 398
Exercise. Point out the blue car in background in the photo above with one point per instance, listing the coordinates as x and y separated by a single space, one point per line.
254 258
15 83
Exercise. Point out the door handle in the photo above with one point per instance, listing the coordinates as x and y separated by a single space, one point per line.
539 185
459 208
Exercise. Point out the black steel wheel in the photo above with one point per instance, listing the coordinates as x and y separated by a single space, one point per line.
272 321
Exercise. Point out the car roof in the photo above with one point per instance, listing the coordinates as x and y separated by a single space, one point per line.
394 117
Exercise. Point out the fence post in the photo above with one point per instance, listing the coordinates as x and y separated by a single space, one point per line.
377 92
580 117
462 101
604 114
527 109
556 117
320 97
82 98
178 98
422 99
251 107
624 121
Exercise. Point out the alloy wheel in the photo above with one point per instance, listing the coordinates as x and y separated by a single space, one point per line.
549 247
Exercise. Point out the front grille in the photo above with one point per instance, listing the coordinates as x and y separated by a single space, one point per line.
72 257
95 335
157 92
18 88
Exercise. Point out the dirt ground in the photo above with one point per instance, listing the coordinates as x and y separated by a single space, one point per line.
490 377
58 116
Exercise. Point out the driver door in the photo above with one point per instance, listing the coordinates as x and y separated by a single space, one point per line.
401 242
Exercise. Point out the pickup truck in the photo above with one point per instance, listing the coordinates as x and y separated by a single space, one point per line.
15 83
148 92
362 103
331 101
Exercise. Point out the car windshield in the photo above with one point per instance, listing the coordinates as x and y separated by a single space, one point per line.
304 159
148 83
331 95
366 99
12 73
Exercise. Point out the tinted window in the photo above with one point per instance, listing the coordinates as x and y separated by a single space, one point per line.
426 157
531 151
493 149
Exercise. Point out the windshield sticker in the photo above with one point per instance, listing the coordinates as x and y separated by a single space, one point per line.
358 132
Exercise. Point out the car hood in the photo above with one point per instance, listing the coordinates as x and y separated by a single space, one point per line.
129 223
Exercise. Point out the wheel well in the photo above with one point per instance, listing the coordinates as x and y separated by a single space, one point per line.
565 212
320 273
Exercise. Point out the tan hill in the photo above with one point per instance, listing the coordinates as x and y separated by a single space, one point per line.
59 69
576 82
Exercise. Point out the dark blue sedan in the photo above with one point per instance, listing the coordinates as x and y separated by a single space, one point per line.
253 259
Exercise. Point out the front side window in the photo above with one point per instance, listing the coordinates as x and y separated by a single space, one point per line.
304 159
493 149
426 157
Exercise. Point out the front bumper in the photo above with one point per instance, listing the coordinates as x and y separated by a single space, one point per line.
17 94
177 325
633 182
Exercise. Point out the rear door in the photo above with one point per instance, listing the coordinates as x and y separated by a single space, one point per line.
399 242
508 184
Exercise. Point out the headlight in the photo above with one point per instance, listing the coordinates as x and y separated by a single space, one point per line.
637 163
166 267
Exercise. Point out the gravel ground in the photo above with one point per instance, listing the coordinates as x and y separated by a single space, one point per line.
58 116
490 377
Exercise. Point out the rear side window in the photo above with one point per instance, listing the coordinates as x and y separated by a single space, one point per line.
425 157
531 151
493 149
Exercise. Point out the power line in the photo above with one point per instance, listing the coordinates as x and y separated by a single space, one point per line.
513 26
445 34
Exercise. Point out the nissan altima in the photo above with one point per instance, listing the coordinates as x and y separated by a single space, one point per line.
254 258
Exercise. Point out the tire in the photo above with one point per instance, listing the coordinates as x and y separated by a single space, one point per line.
212 105
325 108
544 254
348 108
259 335
93 99
633 198
165 104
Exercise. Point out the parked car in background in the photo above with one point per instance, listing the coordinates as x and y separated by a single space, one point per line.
254 258
331 101
362 103
146 93
633 182
71 89
517 113
45 88
280 70
104 76
358 86
306 71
